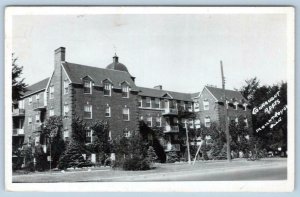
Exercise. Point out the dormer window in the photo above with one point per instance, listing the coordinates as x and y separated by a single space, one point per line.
236 104
148 102
107 89
87 87
140 102
125 90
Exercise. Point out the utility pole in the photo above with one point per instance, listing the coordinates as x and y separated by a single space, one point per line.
226 116
187 143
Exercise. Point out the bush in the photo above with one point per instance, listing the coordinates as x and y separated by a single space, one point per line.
136 163
172 157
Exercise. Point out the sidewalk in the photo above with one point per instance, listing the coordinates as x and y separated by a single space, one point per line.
108 174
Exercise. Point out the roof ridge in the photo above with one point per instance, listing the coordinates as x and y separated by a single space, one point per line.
38 82
164 90
97 67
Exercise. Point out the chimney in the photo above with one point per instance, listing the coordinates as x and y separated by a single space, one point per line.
115 58
60 54
158 87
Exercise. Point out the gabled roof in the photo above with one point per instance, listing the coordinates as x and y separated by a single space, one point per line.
152 92
76 72
39 86
230 94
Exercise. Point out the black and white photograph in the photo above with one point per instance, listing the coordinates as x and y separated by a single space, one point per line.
149 98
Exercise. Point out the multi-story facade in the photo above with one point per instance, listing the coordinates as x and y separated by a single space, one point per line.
111 94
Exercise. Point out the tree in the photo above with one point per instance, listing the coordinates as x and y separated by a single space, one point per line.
271 131
51 133
18 85
73 155
151 155
101 144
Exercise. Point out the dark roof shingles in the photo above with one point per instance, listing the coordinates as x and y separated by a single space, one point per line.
76 72
36 87
152 92
230 94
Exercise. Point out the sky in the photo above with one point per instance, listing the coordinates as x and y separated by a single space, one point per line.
180 52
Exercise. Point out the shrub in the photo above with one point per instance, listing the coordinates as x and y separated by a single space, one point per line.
136 163
172 157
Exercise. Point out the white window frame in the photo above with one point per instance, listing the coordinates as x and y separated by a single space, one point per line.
127 109
29 120
205 107
66 86
159 121
236 106
196 107
197 124
140 102
109 111
245 107
51 112
51 92
89 133
90 107
107 87
109 136
29 100
191 124
125 89
37 118
37 97
21 104
126 133
207 120
89 82
66 110
151 121
148 99
66 134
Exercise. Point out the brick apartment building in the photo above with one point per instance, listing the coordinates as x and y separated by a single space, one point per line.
111 94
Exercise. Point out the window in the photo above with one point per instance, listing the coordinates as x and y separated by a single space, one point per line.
236 106
245 107
107 111
140 102
190 107
66 135
149 121
21 104
66 110
196 107
37 97
125 91
191 124
197 124
158 121
109 136
148 102
126 133
236 120
125 113
183 121
87 112
51 112
66 86
29 120
87 87
246 122
107 89
205 105
37 118
207 122
51 92
29 100
88 136
156 103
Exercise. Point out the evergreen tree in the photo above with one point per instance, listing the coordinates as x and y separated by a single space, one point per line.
18 85
151 154
72 157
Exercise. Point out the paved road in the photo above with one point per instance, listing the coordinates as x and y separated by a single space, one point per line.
267 169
